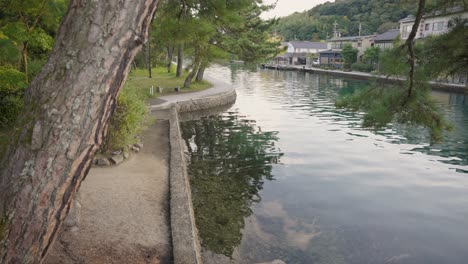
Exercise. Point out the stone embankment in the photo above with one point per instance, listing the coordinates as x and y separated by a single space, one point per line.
439 86
186 246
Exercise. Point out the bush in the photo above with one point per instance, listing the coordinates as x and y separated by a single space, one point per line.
12 86
362 67
128 120
35 66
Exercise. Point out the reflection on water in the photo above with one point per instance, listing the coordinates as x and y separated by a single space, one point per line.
341 193
230 160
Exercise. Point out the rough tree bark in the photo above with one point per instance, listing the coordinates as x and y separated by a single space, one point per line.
148 57
409 43
180 60
201 71
196 66
68 106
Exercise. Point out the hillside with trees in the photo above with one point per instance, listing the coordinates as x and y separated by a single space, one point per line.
317 23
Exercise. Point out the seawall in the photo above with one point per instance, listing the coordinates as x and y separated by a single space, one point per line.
437 86
185 242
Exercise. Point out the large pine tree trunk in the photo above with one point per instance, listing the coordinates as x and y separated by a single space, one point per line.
148 58
180 60
170 55
201 71
196 66
68 106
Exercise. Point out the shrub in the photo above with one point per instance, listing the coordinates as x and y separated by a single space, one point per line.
12 86
128 120
362 67
35 66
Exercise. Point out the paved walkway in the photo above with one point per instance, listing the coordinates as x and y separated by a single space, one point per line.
165 102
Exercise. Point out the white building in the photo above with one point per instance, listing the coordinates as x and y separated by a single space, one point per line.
361 43
306 47
300 52
435 23
386 40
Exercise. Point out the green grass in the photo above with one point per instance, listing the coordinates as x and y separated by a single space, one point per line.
138 80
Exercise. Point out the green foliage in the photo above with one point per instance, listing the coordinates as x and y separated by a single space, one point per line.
228 167
128 120
411 103
392 62
12 85
383 105
374 16
215 29
10 54
131 115
29 26
371 55
349 55
362 67
35 67
447 54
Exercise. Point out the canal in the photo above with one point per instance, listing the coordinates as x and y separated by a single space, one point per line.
285 175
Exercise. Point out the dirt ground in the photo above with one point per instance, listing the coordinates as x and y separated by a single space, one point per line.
122 212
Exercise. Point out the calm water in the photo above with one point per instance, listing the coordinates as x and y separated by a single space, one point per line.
285 175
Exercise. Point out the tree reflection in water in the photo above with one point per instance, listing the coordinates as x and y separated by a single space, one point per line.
230 159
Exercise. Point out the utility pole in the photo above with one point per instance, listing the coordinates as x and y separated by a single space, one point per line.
360 28
335 30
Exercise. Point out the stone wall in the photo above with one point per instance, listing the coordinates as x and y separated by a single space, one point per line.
186 245
207 102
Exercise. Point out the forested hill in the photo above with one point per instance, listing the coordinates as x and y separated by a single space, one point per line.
317 23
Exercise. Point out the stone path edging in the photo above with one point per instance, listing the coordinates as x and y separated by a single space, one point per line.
185 242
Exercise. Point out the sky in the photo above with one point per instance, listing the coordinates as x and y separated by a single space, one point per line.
287 7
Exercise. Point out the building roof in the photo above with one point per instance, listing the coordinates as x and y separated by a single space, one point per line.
409 18
390 35
308 45
331 51
351 38
292 55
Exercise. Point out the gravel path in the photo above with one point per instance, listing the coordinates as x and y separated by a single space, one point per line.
124 215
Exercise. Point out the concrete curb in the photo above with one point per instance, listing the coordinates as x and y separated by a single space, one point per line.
185 242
